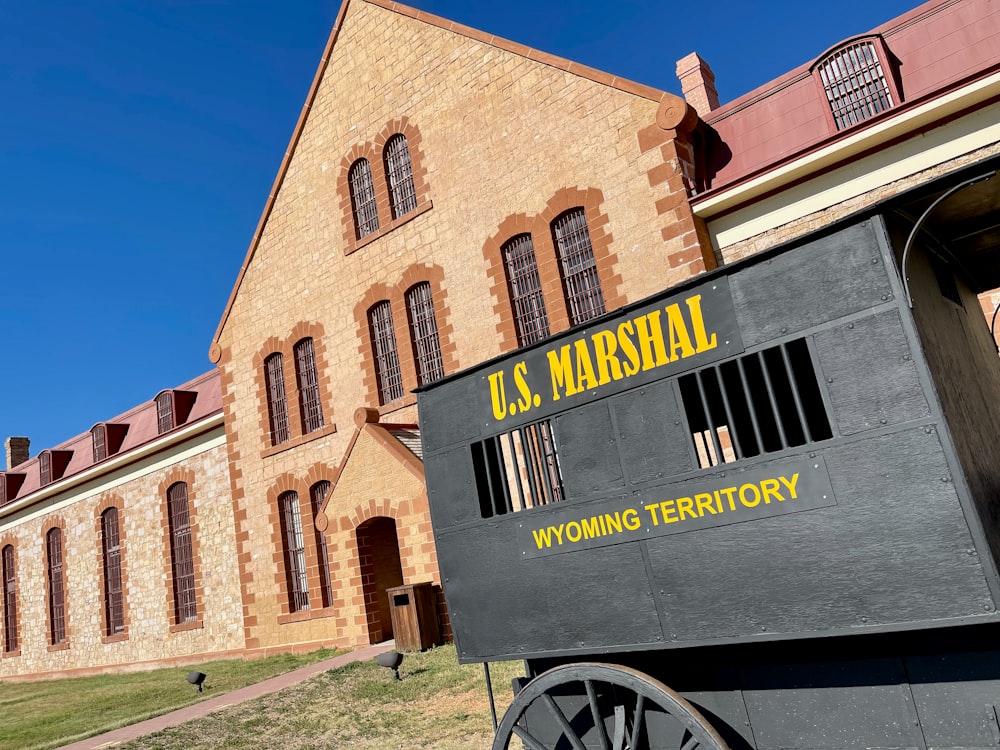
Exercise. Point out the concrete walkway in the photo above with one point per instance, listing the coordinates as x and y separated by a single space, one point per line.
197 710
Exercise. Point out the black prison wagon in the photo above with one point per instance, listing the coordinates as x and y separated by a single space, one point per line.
757 510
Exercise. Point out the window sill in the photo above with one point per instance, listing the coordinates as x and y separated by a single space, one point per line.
64 646
306 614
114 638
400 403
300 440
181 627
11 654
356 245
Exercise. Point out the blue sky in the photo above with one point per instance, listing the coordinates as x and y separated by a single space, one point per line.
139 140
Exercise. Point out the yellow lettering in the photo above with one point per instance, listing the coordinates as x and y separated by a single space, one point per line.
497 396
667 509
652 513
613 523
702 342
791 485
704 502
630 517
685 506
543 537
608 367
561 372
756 495
557 530
718 501
728 492
769 488
680 339
591 529
584 367
651 335
523 403
625 331
570 532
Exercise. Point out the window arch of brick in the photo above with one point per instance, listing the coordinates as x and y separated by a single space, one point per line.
858 80
390 212
396 295
541 229
399 176
182 559
11 597
54 536
110 520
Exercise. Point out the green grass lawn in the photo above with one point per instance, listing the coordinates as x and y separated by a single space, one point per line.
438 704
37 715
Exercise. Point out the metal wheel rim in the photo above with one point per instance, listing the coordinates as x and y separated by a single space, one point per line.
700 735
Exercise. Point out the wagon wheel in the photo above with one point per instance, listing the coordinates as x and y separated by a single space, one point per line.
621 707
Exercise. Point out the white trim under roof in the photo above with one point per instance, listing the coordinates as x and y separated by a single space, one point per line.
829 188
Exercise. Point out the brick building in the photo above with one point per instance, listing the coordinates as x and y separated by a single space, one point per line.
117 547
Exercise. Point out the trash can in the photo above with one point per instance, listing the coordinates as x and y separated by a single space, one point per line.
414 616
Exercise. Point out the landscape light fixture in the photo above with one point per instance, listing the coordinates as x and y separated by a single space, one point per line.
196 679
392 660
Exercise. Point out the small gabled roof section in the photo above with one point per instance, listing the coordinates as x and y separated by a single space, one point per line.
666 101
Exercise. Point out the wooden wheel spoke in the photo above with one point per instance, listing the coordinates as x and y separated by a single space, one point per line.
563 722
637 717
595 713
691 744
530 742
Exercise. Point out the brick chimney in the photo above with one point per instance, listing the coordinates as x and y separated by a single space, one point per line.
17 451
698 84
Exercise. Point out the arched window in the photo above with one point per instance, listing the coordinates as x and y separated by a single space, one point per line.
165 412
57 591
295 551
577 266
114 598
310 408
363 198
317 493
181 554
399 172
277 405
525 289
99 436
10 640
387 370
424 333
855 82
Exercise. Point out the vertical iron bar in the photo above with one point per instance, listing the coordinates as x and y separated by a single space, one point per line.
729 413
795 393
771 398
489 475
543 461
719 459
489 692
752 407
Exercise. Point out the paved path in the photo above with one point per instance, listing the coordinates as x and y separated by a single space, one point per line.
197 710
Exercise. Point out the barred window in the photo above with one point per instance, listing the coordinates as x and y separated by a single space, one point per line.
399 169
363 198
387 371
44 468
424 333
277 405
517 470
181 553
295 551
114 599
855 83
577 266
57 592
165 412
737 409
317 493
99 436
307 379
525 290
10 640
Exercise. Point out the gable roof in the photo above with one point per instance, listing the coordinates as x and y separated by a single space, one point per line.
543 58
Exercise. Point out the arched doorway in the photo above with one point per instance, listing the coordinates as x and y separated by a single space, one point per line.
381 569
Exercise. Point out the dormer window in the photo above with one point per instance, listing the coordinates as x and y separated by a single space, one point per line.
52 465
10 485
172 409
107 439
857 80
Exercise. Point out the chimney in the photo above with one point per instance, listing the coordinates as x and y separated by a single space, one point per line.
698 84
17 451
